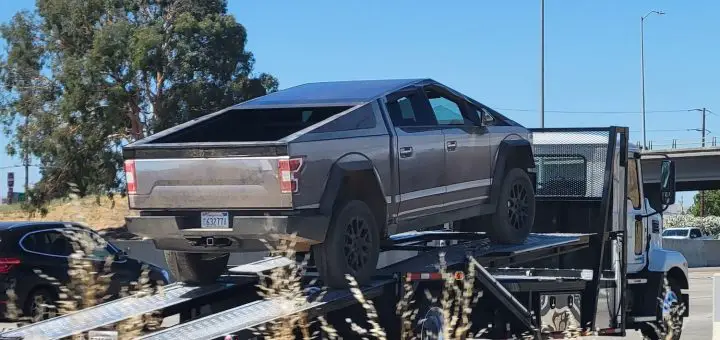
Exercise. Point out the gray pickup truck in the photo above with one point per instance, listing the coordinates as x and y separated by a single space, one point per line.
339 166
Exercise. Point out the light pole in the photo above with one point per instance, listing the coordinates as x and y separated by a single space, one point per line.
642 69
542 63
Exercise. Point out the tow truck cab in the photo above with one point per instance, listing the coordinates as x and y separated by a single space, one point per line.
573 165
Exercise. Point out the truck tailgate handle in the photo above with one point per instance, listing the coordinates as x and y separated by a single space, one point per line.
406 151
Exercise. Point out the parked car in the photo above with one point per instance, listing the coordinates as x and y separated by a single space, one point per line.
689 233
342 165
32 251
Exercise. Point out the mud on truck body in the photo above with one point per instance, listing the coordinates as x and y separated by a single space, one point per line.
341 166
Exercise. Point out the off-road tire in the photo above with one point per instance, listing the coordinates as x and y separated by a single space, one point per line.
197 268
657 330
515 211
351 246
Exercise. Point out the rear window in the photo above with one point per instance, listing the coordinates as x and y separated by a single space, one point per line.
253 125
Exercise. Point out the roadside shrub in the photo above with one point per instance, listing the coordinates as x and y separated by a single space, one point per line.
708 224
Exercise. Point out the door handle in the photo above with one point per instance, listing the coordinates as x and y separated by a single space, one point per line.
451 145
406 151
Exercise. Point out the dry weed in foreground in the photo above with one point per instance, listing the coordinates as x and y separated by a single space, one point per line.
284 286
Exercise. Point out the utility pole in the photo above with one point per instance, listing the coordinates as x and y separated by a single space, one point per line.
26 156
702 192
542 63
642 69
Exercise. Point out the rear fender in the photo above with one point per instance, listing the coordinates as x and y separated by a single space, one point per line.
347 164
512 153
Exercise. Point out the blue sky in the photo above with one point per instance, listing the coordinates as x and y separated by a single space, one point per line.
490 50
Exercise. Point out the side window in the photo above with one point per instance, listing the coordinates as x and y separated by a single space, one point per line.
695 233
633 186
447 112
402 112
49 242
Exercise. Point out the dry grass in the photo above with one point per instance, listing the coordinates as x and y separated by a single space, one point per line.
98 212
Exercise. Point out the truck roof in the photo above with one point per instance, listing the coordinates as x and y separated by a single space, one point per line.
351 92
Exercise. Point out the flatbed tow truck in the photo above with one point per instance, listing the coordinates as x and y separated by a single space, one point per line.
573 272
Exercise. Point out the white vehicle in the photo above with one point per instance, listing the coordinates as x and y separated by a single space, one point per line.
686 233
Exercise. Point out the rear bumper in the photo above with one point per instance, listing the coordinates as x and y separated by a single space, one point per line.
246 233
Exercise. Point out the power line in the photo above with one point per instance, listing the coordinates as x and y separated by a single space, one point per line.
596 112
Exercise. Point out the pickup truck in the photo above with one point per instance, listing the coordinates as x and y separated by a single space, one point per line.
337 167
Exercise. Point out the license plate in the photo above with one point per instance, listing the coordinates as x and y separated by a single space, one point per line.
212 219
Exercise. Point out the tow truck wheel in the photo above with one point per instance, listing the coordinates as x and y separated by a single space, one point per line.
672 319
432 324
515 212
196 267
351 246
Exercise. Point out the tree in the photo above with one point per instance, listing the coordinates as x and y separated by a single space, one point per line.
89 76
712 203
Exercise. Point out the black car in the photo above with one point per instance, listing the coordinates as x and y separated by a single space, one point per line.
32 254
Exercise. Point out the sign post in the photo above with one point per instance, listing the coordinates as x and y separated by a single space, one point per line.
10 184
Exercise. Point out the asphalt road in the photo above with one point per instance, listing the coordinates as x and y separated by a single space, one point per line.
697 326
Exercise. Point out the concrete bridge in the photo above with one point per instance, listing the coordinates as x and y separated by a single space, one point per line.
695 169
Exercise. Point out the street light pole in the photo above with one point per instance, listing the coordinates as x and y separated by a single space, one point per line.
542 63
642 70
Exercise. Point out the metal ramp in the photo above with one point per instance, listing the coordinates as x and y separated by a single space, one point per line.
115 311
257 313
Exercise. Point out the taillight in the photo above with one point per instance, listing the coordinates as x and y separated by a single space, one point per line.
7 263
130 176
288 170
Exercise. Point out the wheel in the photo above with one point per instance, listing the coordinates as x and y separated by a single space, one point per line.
40 305
352 246
672 311
432 324
196 268
515 212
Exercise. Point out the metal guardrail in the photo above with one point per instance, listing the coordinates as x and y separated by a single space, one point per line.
670 144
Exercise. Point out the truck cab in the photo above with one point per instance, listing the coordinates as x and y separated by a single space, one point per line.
573 166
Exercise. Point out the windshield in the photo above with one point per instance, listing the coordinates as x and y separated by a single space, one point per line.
676 232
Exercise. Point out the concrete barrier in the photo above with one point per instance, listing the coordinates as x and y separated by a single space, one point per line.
699 253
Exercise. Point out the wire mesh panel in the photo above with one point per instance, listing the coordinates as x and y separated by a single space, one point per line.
570 164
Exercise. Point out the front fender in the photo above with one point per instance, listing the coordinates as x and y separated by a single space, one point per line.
662 260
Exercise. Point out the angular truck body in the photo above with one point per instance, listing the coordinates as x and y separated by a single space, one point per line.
337 166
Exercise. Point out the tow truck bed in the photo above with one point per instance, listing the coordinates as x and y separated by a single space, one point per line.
178 296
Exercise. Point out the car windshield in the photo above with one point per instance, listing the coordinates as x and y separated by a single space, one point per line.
676 232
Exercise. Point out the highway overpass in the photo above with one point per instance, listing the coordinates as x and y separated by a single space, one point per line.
695 169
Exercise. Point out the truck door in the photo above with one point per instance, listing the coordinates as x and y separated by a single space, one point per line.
467 150
420 156
636 227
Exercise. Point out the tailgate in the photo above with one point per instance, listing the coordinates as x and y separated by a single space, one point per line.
197 181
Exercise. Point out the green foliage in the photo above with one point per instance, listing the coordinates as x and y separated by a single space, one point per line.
708 224
712 203
89 76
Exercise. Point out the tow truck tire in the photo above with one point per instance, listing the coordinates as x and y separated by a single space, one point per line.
351 246
196 268
651 332
515 212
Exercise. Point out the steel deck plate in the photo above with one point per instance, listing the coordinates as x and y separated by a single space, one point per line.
455 254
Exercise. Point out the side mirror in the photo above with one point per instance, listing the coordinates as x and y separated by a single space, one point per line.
667 182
